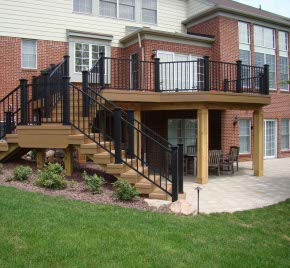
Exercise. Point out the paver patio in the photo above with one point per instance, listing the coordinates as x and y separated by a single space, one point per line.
242 191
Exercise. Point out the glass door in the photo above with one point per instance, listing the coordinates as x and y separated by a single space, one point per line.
270 138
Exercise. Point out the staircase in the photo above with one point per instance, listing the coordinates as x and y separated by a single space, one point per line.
100 131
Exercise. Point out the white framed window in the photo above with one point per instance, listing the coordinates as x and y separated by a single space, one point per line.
284 73
183 131
149 11
86 55
185 74
261 59
244 32
264 37
245 136
283 41
285 134
29 54
122 9
82 6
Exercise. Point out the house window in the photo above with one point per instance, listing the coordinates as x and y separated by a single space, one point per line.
285 133
82 6
86 55
264 37
284 73
261 59
29 54
283 41
245 136
183 131
244 33
123 9
149 11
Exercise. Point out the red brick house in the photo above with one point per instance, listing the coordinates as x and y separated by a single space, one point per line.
180 33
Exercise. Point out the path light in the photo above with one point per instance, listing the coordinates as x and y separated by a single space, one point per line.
198 189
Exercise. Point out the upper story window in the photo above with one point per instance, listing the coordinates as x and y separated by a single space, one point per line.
264 37
283 41
86 55
29 54
123 9
244 32
83 6
149 11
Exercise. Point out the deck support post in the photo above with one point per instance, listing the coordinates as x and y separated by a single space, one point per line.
23 102
68 161
202 150
180 168
40 158
258 156
131 131
85 78
117 133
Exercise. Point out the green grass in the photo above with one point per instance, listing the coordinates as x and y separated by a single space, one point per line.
43 231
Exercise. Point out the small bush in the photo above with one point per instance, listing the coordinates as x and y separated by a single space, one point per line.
93 183
21 173
33 154
52 177
124 190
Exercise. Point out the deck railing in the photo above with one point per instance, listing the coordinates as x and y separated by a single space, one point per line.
181 76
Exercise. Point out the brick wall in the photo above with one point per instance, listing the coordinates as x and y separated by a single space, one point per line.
226 48
10 60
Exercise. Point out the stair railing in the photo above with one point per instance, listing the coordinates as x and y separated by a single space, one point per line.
122 138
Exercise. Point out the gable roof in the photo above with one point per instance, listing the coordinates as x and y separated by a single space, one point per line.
233 7
248 9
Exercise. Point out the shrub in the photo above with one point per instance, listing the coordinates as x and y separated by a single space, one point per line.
93 183
124 190
33 154
21 173
52 177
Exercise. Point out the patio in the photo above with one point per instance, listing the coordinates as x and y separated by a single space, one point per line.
242 191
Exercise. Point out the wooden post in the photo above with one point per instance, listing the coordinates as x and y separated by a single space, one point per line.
202 139
40 158
258 155
68 161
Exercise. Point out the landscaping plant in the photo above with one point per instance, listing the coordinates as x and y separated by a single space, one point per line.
124 190
1 168
52 177
94 182
21 173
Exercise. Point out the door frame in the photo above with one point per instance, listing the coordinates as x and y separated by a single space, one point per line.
276 139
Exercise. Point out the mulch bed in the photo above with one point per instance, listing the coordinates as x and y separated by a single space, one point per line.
76 188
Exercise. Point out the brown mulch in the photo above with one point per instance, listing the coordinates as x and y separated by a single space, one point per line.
76 188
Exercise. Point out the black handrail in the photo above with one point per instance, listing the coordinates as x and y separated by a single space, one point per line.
121 138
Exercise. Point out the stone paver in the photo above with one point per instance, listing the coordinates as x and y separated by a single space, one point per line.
242 191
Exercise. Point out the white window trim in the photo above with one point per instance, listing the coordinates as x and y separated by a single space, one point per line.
263 27
249 36
276 139
287 45
90 55
285 150
157 8
250 127
36 60
118 13
83 13
283 89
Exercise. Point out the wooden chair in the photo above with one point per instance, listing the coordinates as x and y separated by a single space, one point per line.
214 160
234 152
191 149
227 164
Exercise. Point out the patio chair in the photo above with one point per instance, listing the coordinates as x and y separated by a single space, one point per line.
214 160
234 152
227 163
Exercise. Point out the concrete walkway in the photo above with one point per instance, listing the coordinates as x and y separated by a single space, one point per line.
242 191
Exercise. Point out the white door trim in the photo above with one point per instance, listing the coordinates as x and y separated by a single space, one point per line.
276 139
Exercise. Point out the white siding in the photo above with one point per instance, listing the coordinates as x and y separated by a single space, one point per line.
49 19
197 6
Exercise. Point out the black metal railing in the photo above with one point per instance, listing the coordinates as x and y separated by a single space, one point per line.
122 136
197 75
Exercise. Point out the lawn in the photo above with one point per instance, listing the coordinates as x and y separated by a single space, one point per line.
44 231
